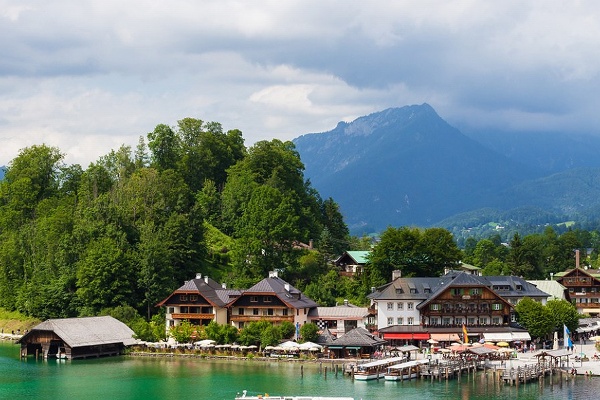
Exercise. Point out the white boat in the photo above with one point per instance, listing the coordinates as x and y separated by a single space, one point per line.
375 369
266 396
404 371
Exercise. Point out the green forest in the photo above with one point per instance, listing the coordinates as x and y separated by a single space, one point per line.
120 235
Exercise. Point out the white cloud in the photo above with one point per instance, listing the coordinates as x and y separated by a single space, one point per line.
87 76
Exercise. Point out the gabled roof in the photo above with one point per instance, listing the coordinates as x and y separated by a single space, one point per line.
358 337
212 291
343 311
400 288
553 288
88 331
358 256
276 286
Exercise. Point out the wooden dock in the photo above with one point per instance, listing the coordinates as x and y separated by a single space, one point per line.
528 373
450 369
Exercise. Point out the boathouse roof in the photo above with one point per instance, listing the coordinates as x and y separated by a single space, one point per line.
88 331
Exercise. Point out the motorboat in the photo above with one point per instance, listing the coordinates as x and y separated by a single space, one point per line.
375 369
405 371
244 396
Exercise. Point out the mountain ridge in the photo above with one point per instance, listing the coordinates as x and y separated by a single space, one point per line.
408 166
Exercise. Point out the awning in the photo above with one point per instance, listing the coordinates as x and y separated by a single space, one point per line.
521 336
498 337
406 336
445 337
590 311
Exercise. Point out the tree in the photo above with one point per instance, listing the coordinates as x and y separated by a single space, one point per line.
287 329
251 334
165 147
309 332
534 317
563 313
183 332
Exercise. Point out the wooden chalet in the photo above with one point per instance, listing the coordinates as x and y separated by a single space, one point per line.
273 300
72 338
464 300
451 307
583 286
198 301
352 263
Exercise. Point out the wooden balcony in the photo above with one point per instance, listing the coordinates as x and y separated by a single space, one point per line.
271 318
190 316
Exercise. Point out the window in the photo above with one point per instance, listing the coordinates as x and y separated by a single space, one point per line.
400 321
400 306
241 324
457 291
411 320
270 311
284 311
435 307
470 321
171 310
475 291
446 321
434 320
496 306
255 311
496 320
193 297
183 297
241 311
184 310
253 299
483 320
413 290
390 321
399 290
390 306
410 306
426 290
267 299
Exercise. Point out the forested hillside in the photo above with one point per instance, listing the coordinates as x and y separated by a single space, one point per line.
137 223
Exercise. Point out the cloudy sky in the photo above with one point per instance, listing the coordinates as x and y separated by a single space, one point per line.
88 76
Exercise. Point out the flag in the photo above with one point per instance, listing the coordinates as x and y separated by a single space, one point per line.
568 342
465 335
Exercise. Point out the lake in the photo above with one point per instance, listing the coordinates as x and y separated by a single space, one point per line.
125 377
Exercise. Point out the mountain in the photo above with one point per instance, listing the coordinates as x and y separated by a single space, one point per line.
407 166
551 152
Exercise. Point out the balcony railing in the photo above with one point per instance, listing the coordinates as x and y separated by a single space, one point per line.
250 318
192 316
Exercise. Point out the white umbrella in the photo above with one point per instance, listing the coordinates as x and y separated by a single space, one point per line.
204 342
432 341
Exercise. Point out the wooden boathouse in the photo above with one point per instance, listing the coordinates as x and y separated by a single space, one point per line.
73 338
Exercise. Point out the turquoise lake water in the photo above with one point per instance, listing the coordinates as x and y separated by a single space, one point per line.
125 377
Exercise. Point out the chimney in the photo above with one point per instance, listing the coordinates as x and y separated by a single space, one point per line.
198 275
396 274
206 279
287 287
577 258
373 289
345 302
310 244
273 274
224 285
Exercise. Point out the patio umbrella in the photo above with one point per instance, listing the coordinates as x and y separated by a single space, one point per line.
502 344
595 338
432 341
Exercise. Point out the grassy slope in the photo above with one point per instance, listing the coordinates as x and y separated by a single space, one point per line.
13 321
